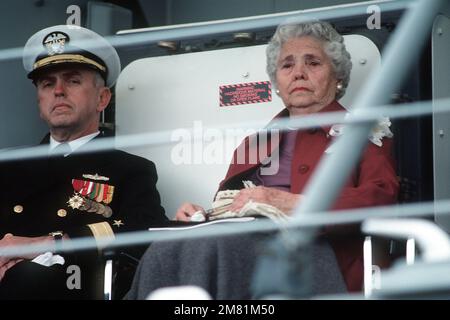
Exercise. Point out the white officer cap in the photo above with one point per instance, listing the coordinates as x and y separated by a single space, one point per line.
70 45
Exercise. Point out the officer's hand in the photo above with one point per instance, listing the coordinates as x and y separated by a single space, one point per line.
10 240
9 263
6 262
186 210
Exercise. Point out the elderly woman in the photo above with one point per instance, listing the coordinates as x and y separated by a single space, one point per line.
309 66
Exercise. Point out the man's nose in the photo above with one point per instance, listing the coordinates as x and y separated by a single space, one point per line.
60 89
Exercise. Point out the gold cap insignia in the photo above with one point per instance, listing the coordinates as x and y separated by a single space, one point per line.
55 42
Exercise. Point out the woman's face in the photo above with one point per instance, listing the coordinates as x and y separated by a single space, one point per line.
305 76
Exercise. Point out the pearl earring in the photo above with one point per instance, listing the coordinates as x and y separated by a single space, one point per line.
277 92
339 86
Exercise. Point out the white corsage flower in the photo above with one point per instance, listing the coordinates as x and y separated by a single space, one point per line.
379 131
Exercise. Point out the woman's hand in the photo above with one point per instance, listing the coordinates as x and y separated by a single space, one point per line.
186 210
282 200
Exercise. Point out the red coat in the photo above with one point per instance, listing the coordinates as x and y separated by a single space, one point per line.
373 182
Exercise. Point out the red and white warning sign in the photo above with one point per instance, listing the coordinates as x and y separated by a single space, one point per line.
245 93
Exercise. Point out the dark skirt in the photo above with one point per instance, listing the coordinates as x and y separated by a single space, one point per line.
233 267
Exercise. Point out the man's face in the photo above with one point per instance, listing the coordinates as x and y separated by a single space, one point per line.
69 99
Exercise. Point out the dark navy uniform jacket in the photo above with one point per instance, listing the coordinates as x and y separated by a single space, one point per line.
118 190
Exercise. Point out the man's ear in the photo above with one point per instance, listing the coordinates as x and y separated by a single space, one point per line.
104 98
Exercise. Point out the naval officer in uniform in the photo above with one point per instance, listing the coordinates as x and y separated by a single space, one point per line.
53 199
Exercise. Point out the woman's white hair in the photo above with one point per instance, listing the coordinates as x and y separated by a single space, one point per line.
333 45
